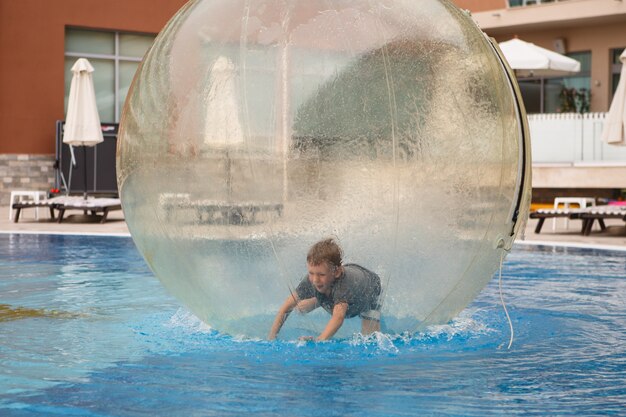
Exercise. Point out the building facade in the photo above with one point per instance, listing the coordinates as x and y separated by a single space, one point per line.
40 40
591 31
569 157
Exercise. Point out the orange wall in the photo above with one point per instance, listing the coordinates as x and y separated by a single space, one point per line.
480 5
32 48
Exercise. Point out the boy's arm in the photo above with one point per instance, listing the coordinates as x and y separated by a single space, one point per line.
281 316
290 303
308 305
335 322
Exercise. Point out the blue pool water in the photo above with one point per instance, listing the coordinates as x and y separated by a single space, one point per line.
85 330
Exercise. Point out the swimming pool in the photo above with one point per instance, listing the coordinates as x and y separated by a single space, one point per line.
86 330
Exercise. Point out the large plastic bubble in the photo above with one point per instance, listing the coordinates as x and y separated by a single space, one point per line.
255 128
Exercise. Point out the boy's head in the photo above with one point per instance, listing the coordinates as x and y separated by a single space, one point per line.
324 265
325 251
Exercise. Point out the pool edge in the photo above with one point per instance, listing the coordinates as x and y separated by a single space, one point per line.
577 245
32 232
517 242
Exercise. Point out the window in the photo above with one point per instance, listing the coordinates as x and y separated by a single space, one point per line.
517 3
115 57
616 68
560 95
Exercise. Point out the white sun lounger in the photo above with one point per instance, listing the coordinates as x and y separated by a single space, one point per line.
63 203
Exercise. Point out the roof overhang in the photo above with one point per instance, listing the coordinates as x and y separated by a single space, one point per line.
551 15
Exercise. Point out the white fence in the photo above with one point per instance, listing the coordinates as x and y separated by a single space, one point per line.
571 138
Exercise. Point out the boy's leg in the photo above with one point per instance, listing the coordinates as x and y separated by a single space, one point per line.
369 326
370 322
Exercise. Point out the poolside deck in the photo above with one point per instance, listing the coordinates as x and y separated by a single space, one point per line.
614 236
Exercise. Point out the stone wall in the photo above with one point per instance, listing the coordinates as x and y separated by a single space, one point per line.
611 176
25 172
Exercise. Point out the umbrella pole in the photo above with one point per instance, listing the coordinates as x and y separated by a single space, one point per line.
229 187
541 85
85 171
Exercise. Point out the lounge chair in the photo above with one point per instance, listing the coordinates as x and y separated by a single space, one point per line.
599 213
62 204
588 216
543 214
93 205
212 211
233 213
31 204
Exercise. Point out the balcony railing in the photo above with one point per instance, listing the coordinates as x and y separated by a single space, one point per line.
572 138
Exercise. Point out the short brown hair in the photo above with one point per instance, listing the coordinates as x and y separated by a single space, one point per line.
326 250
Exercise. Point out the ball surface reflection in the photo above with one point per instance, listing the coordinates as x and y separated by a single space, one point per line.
255 128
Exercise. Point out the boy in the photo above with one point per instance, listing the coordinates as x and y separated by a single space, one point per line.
342 290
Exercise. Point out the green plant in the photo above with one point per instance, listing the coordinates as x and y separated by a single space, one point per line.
574 100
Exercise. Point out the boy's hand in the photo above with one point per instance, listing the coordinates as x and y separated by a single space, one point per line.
306 338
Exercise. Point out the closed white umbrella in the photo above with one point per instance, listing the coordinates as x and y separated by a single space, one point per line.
528 59
82 124
615 123
222 128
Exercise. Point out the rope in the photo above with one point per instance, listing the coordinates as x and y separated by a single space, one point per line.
502 301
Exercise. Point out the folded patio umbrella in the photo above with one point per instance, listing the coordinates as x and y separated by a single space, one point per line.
222 129
222 126
82 124
615 124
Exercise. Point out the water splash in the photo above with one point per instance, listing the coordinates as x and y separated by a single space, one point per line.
378 341
188 321
470 324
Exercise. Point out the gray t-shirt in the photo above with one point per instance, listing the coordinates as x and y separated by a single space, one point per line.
358 287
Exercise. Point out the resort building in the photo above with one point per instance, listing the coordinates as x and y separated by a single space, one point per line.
566 113
39 42
41 39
